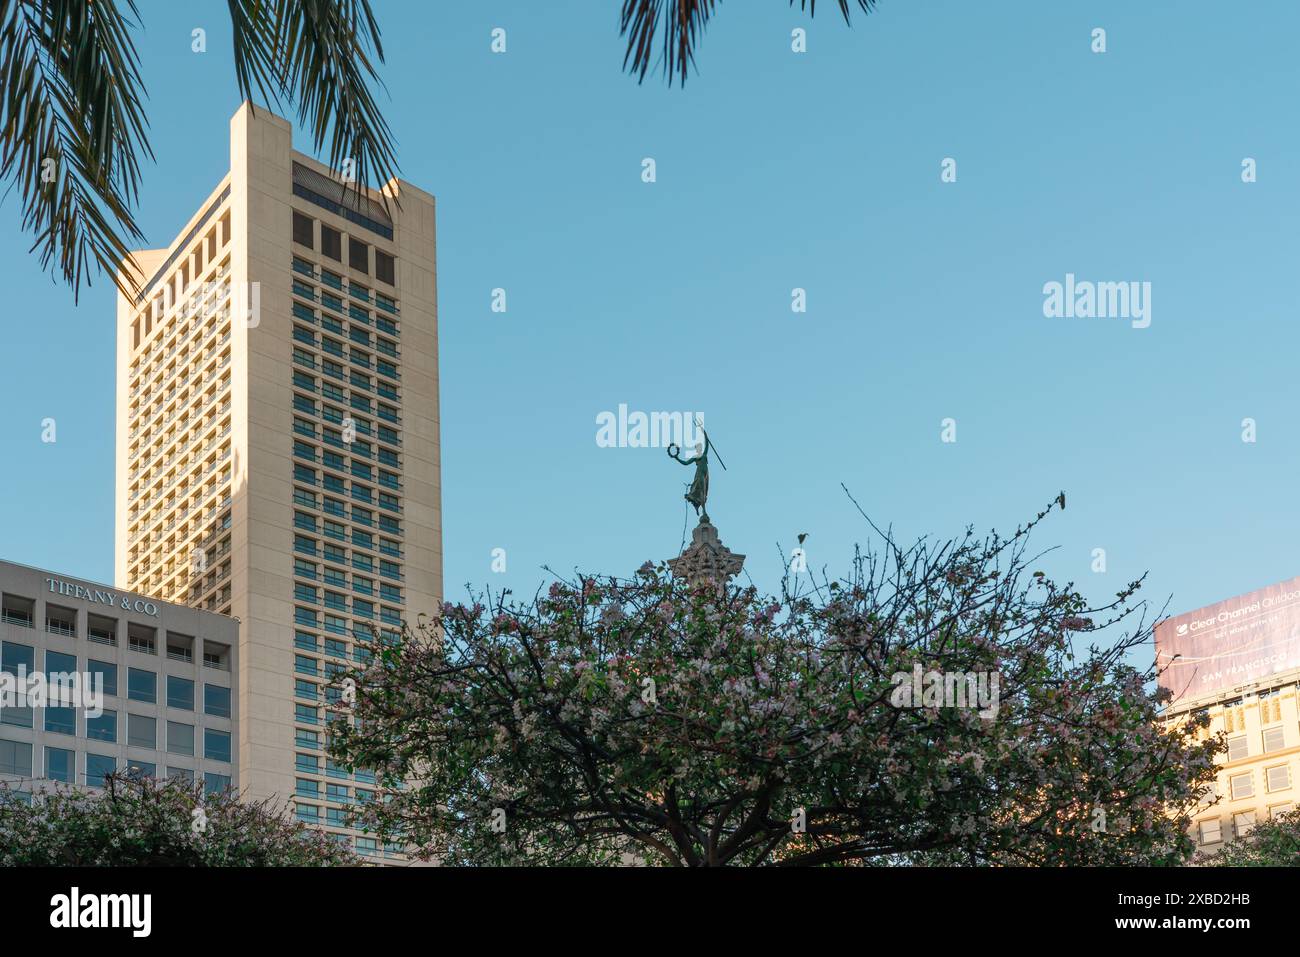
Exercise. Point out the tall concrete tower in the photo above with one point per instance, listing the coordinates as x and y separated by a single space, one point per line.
278 441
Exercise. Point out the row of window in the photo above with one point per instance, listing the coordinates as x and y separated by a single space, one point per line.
196 321
344 318
61 763
1242 784
356 400
337 793
141 639
1273 739
192 265
356 357
355 379
331 245
142 731
1211 831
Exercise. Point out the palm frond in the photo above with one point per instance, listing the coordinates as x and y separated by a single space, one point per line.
72 130
680 24
319 55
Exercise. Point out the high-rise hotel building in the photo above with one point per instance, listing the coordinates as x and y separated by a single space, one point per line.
278 442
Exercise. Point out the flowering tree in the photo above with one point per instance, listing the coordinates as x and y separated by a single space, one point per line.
930 707
138 822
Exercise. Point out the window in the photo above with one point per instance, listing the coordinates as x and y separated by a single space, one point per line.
331 243
141 769
58 764
17 611
185 774
216 656
98 767
358 255
16 758
384 270
100 630
141 639
1277 810
1242 822
1242 785
302 230
180 648
1211 832
60 670
60 720
1278 778
60 621
141 731
107 673
216 745
215 783
1237 748
180 738
180 693
102 728
16 658
216 701
141 685
1274 740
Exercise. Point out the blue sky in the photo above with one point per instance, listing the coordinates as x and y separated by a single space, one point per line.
778 170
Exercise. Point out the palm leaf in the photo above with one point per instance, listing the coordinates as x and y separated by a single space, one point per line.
321 55
71 130
680 24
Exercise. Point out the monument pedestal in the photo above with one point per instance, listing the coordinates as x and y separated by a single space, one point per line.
706 559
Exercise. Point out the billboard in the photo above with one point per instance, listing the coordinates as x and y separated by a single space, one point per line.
1230 643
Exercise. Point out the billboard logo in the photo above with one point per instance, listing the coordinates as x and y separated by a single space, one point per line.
1181 629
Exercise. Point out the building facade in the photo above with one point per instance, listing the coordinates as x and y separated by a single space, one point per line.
1238 663
1257 778
162 677
277 455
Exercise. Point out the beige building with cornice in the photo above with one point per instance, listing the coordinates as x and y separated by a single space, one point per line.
278 440
1238 662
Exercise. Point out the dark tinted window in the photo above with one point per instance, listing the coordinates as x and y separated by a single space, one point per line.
358 255
384 268
302 230
331 242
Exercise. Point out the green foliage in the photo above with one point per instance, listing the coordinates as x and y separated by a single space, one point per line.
1271 843
139 822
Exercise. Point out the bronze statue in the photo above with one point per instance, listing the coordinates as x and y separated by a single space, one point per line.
698 493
